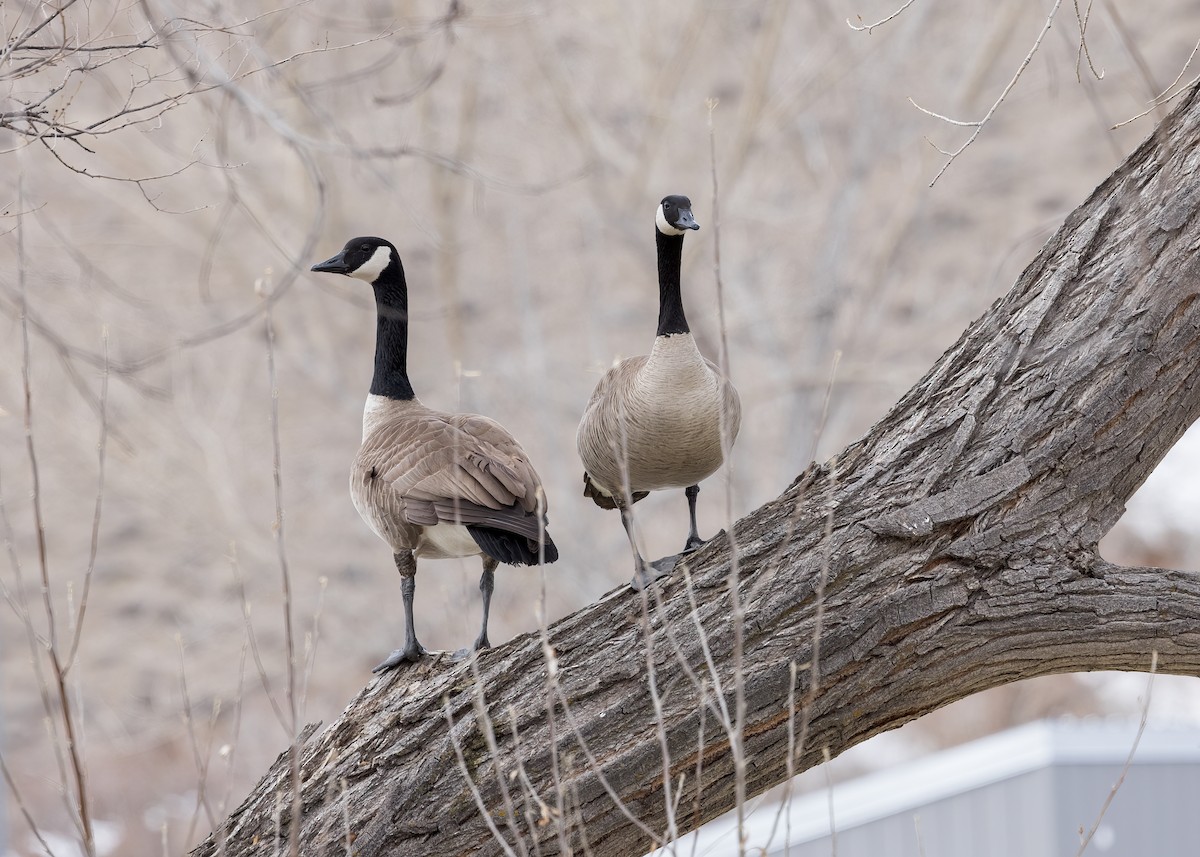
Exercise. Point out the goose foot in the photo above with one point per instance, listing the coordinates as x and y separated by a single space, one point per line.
694 543
653 571
408 655
465 652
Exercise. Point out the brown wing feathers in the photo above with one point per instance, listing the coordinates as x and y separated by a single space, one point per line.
463 469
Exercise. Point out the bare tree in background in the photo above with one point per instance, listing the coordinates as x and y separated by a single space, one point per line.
950 550
91 85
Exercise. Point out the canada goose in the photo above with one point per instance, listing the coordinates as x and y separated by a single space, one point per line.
428 483
657 421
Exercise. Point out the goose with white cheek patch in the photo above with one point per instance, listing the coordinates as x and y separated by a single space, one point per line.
432 484
661 421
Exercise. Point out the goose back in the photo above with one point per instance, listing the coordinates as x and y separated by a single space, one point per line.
422 476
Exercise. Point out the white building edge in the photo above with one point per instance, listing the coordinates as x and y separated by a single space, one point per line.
909 786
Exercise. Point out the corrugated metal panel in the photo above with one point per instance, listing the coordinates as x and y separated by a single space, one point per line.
998 820
1025 792
1156 812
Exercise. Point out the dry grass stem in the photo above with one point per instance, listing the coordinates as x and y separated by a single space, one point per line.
200 758
252 639
484 812
672 831
829 801
814 664
483 722
77 799
34 828
1137 738
93 549
285 582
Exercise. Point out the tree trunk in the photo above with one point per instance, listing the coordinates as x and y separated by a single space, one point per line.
950 550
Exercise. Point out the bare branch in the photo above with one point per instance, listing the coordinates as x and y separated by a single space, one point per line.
979 124
1082 18
869 28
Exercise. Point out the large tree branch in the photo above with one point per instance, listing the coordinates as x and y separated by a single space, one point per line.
955 544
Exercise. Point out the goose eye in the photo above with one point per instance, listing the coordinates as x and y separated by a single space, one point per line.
365 247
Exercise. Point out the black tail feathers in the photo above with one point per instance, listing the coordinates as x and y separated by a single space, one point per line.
510 548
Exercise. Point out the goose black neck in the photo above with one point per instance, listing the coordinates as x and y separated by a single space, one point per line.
391 335
670 303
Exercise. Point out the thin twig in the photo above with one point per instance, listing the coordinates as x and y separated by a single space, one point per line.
1166 95
252 639
1083 18
782 810
596 768
1112 793
81 809
474 789
979 124
737 611
285 579
696 817
483 721
34 827
101 449
551 659
200 758
544 813
814 664
819 431
869 28
829 802
660 726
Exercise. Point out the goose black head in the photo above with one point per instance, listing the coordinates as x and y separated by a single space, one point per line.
361 258
674 215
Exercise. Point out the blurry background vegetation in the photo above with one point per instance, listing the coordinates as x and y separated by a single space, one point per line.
513 150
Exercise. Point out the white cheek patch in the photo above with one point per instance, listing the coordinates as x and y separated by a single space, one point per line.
660 220
374 266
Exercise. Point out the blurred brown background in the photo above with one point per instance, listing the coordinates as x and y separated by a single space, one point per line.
513 151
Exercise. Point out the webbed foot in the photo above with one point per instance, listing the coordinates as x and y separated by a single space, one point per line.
650 572
408 655
481 643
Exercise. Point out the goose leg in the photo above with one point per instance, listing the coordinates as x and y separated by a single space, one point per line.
644 573
486 583
406 564
693 540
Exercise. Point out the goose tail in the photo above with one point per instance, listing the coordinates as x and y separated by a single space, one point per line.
603 499
511 548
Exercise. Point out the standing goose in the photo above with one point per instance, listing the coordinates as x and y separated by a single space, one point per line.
428 483
662 420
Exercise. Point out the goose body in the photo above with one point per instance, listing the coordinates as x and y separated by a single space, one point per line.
428 483
672 401
663 420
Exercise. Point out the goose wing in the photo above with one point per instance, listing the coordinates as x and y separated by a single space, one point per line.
599 428
733 402
615 381
460 468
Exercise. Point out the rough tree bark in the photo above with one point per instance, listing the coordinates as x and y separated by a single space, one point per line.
958 545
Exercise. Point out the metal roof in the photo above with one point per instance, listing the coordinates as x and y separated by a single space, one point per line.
909 786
